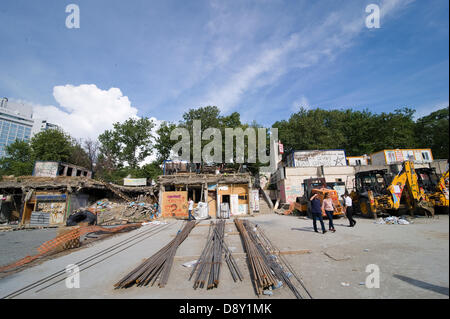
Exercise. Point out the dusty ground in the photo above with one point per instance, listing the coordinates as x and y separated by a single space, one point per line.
18 244
413 262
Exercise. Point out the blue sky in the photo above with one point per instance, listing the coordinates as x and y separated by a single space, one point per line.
261 58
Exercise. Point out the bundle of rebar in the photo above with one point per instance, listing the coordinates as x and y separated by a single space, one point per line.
287 270
158 266
210 260
262 276
267 270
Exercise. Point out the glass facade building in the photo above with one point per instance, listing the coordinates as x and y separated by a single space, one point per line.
14 126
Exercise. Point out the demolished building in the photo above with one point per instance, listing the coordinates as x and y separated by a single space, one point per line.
235 190
23 197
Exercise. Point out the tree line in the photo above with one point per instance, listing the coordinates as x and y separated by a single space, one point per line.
122 151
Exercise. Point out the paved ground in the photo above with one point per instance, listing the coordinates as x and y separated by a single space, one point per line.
18 244
413 262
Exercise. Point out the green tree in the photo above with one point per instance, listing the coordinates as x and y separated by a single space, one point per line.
433 131
79 156
18 160
52 145
394 130
149 171
357 132
163 143
311 129
130 142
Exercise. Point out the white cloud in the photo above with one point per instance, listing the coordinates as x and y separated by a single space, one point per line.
85 111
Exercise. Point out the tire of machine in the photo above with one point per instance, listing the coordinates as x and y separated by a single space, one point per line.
364 208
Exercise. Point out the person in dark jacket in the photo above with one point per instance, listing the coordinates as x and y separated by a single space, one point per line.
316 212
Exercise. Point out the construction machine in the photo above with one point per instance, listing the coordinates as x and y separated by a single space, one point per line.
370 185
435 189
377 192
316 186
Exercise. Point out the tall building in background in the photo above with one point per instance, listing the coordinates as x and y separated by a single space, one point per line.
42 125
16 122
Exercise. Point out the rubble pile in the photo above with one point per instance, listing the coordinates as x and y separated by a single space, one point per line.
113 213
393 220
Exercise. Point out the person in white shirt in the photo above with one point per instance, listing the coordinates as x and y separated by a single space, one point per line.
349 209
191 208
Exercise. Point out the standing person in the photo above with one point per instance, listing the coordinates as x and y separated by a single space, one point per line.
329 208
191 208
349 209
316 212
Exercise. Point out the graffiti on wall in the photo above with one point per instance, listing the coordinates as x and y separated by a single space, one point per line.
292 192
46 169
175 204
320 158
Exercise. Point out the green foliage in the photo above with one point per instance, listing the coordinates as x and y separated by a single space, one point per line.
163 143
358 132
52 145
210 117
78 156
130 141
49 145
150 171
19 160
311 129
433 131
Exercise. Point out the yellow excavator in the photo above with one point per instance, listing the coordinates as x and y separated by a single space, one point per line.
377 192
434 188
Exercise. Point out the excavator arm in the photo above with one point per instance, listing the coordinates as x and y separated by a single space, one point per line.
407 181
443 188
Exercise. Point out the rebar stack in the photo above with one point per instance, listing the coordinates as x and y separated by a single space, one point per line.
284 265
157 266
262 276
210 260
268 270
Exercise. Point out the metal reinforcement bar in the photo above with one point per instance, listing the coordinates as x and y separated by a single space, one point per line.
91 260
282 260
207 268
157 266
267 270
262 276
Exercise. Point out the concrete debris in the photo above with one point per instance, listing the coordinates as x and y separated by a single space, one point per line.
393 220
112 213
